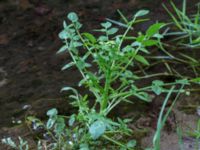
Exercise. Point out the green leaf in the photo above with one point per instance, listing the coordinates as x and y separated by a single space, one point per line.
128 48
81 64
63 35
153 29
128 74
106 25
52 112
112 31
67 66
71 120
103 38
157 87
136 44
51 122
97 129
84 146
90 37
77 44
64 24
158 36
149 42
143 49
143 96
62 49
8 141
158 83
72 16
196 80
78 25
60 125
183 81
141 59
69 89
131 144
140 38
141 13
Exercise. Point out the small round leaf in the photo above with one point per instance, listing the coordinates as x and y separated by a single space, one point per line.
141 13
72 17
97 129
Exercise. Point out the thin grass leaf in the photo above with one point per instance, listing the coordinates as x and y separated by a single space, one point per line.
184 7
68 66
173 18
163 117
189 58
123 17
177 11
156 139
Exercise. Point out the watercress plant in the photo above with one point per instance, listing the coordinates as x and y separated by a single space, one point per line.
105 64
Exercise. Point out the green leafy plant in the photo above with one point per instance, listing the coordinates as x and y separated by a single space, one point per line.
188 26
112 59
105 63
112 82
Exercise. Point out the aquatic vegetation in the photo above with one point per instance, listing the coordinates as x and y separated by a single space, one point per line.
112 82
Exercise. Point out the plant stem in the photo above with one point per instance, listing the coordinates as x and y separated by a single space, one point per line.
114 141
105 98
